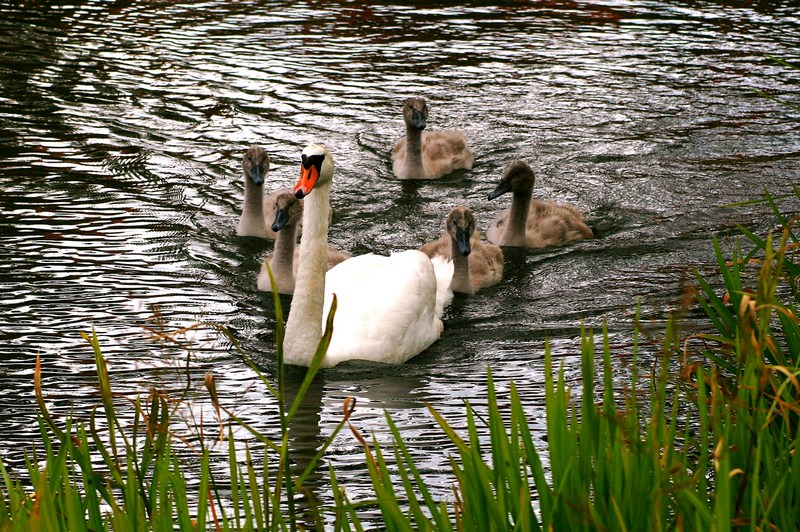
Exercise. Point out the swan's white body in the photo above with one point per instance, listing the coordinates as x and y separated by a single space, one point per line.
388 308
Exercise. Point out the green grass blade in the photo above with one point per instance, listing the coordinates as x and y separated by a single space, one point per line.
316 361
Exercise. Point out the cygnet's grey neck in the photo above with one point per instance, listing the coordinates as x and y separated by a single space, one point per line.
282 261
253 209
514 234
414 167
461 281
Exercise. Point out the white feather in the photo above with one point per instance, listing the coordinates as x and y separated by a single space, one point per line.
388 308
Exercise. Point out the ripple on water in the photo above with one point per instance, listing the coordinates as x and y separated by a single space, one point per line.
120 171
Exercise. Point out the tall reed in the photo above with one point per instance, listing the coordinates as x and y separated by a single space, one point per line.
139 483
714 448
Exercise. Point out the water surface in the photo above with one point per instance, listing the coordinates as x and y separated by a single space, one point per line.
122 127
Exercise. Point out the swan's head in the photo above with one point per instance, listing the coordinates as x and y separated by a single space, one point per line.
460 225
517 177
255 164
415 112
288 211
316 169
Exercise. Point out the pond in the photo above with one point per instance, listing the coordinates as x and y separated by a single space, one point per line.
123 126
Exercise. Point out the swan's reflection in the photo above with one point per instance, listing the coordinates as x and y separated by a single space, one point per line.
375 388
305 436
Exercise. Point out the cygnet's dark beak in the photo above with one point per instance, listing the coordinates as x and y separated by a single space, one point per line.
462 241
502 188
257 176
417 120
281 219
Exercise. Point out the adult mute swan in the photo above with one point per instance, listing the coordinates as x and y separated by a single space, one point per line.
428 154
476 264
257 208
283 260
532 223
389 308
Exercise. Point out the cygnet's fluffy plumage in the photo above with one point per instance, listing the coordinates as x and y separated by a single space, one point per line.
533 223
283 260
428 154
476 264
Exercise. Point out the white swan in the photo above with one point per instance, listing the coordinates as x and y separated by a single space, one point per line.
476 264
283 259
389 308
533 223
428 154
257 208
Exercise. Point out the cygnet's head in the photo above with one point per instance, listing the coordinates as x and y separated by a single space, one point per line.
255 164
460 225
415 112
288 211
517 177
316 169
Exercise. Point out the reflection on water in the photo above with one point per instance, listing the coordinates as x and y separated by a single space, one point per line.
122 128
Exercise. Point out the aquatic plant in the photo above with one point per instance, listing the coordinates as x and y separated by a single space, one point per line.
133 478
713 446
770 96
714 449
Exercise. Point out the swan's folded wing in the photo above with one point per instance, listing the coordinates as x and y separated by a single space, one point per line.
386 307
443 269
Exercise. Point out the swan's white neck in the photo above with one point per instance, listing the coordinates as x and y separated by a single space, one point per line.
304 325
461 281
414 167
514 234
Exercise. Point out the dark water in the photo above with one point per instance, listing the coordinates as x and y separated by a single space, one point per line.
122 126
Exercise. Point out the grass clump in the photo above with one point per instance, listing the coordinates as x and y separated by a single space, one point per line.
708 441
714 447
133 478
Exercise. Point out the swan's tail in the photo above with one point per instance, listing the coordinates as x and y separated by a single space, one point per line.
443 268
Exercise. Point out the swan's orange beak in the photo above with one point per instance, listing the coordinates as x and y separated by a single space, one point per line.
309 175
308 178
